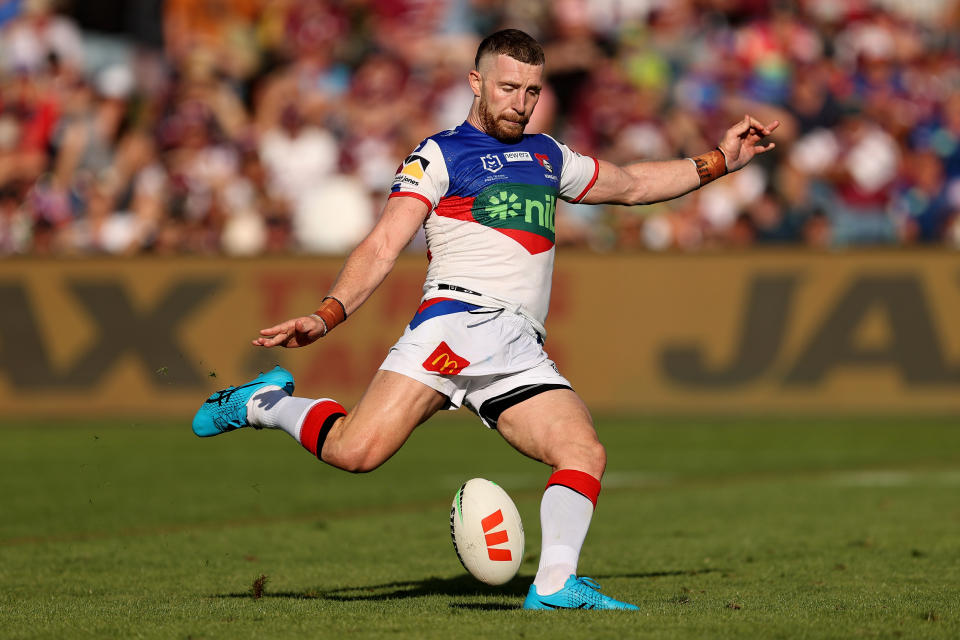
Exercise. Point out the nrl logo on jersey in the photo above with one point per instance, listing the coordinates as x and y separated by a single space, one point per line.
491 162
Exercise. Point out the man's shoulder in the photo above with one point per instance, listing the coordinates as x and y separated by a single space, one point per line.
465 135
452 138
541 138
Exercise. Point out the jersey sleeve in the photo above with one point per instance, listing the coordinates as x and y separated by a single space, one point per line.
578 173
422 175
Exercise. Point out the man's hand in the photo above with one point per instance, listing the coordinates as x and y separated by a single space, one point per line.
739 144
298 332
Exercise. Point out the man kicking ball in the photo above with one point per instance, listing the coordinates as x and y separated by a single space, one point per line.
485 194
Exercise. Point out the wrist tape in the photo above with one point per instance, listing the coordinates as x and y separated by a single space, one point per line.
331 312
710 165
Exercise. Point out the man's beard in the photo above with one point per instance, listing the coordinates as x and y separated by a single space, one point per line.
501 129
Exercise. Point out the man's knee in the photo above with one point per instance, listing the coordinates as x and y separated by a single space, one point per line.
351 453
600 453
352 459
587 455
595 457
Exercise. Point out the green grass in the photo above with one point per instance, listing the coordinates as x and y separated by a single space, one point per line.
802 528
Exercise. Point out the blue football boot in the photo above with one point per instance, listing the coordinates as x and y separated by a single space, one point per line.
577 593
226 409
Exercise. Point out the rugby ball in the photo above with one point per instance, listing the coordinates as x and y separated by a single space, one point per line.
487 532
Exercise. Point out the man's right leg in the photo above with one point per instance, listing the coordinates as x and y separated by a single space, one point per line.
555 427
391 408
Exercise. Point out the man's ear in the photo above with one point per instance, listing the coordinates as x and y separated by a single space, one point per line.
475 80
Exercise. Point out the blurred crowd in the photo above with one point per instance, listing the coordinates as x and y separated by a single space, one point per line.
260 127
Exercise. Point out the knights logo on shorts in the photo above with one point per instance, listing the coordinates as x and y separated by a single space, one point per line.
444 361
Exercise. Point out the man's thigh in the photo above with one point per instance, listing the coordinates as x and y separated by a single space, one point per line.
389 410
554 427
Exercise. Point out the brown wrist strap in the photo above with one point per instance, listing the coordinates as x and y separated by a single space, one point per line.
332 312
710 165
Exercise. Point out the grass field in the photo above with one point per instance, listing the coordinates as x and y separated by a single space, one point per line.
802 528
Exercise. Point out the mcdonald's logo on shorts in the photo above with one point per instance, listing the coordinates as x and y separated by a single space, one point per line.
444 361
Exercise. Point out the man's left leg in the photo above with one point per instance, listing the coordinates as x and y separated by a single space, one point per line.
555 427
392 406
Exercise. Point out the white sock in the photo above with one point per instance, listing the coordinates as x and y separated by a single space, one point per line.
564 519
273 408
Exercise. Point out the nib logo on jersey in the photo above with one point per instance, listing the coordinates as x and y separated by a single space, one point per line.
521 211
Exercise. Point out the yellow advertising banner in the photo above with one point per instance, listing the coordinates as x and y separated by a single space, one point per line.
725 333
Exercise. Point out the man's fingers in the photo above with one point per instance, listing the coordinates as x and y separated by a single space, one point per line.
741 127
292 333
271 331
759 132
757 150
272 336
752 130
759 129
747 133
271 342
755 124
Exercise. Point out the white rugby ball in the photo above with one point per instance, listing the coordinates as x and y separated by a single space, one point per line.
487 532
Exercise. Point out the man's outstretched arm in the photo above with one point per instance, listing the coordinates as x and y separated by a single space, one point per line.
364 270
647 182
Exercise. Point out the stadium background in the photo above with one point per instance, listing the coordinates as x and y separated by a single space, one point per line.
145 148
773 361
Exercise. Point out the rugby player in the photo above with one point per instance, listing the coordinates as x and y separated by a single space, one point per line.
485 194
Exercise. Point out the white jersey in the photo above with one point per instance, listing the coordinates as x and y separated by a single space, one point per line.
490 232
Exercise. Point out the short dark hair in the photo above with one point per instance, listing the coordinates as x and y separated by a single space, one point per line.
511 42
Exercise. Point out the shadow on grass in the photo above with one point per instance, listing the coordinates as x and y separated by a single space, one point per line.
463 585
484 606
656 574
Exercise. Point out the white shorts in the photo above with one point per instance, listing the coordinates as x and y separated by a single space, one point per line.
485 358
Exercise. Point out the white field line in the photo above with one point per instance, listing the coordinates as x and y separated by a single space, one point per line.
894 478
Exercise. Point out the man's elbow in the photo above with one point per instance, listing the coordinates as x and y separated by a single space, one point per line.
384 251
636 194
372 249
